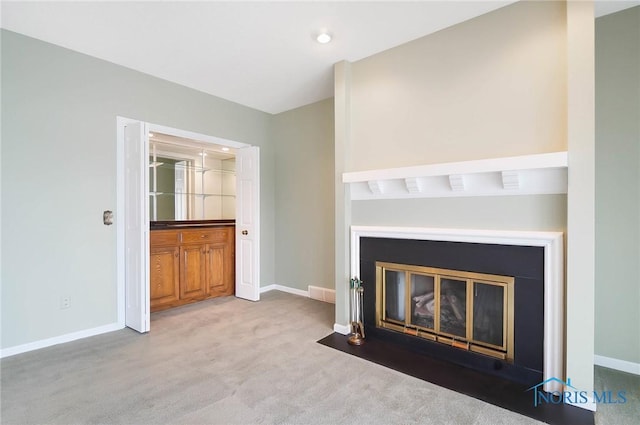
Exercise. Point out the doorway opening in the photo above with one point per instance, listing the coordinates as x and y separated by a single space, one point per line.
139 203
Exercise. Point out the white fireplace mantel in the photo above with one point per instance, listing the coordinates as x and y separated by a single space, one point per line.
518 175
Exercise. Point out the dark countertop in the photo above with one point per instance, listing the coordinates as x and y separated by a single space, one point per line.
189 224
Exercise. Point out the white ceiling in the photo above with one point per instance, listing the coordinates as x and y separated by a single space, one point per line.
260 54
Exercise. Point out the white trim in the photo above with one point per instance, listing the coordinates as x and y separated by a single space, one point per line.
157 128
525 162
590 405
121 122
617 364
341 329
552 242
43 343
281 288
518 175
267 288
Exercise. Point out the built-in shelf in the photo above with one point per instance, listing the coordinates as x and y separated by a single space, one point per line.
202 195
190 181
519 175
197 169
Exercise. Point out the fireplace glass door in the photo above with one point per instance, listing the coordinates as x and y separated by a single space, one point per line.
423 301
488 311
453 307
471 311
395 296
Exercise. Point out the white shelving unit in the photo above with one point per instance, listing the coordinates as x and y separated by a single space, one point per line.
198 182
520 175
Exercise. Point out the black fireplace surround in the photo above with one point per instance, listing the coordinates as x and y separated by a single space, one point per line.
524 263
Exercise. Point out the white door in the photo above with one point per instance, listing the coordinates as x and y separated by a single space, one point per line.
248 223
136 218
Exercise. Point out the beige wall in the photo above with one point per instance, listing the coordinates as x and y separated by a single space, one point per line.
502 75
512 82
303 140
618 186
535 212
493 86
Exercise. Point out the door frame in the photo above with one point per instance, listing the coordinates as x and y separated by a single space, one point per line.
121 203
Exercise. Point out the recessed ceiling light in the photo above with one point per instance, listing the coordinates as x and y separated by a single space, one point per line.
151 134
323 37
225 149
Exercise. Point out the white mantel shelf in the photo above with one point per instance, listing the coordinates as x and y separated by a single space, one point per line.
518 175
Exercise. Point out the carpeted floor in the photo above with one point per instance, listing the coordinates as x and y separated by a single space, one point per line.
230 361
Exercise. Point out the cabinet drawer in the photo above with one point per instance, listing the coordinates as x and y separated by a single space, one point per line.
206 236
163 237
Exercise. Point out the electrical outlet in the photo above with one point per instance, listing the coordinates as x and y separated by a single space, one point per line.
65 302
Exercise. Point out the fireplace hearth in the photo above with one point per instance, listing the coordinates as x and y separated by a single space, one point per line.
534 259
507 394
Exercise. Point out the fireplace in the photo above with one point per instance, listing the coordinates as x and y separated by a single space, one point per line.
491 301
468 311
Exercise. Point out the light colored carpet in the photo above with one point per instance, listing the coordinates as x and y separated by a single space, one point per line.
226 361
614 381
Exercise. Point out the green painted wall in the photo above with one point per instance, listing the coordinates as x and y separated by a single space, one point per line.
304 196
59 113
618 186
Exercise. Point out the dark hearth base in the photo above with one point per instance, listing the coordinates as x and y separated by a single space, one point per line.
506 394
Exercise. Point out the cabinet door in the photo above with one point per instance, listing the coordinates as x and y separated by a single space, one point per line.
164 276
192 271
220 269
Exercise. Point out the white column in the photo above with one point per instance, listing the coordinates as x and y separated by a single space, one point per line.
580 310
342 76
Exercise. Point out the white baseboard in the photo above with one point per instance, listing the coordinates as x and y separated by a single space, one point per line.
19 349
341 329
293 291
314 292
621 365
267 288
589 405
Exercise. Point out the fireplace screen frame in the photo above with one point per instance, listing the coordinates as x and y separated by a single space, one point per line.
503 351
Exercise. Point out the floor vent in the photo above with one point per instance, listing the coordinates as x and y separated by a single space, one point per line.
322 294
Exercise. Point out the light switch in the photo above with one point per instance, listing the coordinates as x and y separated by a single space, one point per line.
107 218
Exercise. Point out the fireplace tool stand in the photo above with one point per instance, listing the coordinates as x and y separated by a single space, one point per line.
355 301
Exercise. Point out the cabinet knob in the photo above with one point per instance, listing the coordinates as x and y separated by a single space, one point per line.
176 254
245 232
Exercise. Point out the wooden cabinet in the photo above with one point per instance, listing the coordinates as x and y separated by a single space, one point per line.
220 270
192 271
164 278
191 265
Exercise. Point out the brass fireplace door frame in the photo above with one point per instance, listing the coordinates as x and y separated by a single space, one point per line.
503 351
